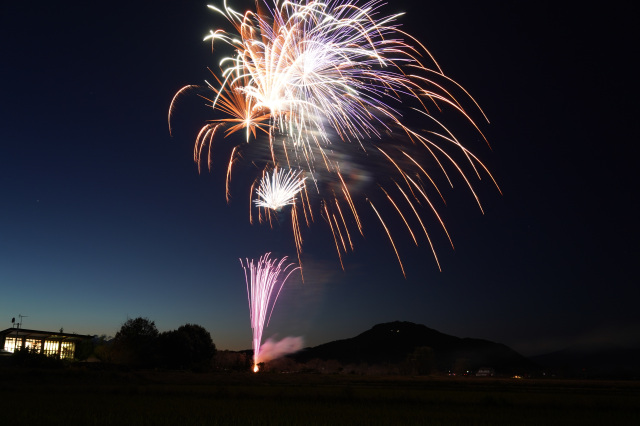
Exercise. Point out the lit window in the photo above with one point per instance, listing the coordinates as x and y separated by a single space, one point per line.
10 344
67 350
51 347
33 345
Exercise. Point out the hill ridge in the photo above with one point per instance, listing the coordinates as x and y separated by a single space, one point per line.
402 341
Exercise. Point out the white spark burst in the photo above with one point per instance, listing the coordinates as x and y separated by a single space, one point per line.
279 189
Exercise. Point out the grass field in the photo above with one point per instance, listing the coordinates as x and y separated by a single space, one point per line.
74 396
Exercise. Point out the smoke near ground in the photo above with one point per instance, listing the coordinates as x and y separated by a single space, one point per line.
272 349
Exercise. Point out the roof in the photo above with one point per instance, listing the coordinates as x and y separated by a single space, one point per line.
40 334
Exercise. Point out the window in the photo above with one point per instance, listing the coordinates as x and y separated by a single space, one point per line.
10 344
68 349
33 345
50 348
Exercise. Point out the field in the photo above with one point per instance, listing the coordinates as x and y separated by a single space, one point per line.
76 396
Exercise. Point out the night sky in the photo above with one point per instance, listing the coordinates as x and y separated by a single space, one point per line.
104 216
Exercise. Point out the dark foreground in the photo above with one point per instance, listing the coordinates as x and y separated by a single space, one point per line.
75 396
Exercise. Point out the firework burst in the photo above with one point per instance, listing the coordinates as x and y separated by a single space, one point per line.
331 85
279 190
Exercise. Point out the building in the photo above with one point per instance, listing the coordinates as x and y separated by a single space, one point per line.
486 372
61 345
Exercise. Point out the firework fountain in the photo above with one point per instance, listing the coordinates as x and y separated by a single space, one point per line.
265 280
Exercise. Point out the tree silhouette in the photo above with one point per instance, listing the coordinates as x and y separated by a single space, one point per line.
188 347
134 343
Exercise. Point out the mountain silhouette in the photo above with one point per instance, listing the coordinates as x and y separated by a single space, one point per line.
396 342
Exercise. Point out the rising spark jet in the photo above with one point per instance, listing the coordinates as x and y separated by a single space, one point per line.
265 280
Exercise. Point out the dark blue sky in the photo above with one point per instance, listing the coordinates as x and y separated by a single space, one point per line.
103 215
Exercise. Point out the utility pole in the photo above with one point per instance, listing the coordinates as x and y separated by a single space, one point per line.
18 325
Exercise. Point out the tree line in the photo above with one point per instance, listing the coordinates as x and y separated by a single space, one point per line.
139 344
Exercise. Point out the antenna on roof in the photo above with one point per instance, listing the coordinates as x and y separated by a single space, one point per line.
21 316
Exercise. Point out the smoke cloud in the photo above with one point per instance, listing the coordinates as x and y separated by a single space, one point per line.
272 349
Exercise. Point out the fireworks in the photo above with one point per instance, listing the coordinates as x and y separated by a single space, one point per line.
333 86
279 190
264 282
332 91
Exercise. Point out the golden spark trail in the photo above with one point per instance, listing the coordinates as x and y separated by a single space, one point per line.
390 238
326 88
